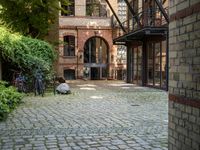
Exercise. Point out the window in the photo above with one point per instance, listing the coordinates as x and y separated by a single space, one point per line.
69 74
95 8
96 51
69 46
69 10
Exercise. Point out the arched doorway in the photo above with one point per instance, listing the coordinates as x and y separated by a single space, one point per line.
96 58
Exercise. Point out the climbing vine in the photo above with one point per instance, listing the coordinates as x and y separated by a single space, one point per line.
25 52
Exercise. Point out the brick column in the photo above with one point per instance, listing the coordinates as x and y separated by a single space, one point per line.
184 75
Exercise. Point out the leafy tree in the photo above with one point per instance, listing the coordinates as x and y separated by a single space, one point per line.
30 17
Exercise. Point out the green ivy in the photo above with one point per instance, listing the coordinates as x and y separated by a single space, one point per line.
25 52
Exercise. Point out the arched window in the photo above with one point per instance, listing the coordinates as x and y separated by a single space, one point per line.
96 51
69 46
69 9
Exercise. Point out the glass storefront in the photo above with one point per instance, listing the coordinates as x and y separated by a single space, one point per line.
137 65
155 69
156 64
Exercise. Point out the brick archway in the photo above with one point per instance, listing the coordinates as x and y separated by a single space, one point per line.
96 57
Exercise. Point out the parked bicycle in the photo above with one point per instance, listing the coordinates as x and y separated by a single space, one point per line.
19 81
39 83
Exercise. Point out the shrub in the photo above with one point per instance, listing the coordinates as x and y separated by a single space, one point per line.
25 52
9 99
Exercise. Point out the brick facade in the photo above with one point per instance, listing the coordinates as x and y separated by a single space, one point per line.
82 34
184 75
84 27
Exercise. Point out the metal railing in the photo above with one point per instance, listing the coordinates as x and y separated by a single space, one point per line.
151 17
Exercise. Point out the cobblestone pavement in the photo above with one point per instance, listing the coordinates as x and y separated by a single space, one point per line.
97 115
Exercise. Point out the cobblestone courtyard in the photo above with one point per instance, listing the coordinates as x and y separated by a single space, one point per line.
96 116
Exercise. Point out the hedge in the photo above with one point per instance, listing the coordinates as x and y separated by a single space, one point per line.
25 52
9 99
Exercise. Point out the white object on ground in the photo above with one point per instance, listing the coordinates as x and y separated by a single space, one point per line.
63 88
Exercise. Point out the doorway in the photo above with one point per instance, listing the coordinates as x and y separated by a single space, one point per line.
96 57
156 64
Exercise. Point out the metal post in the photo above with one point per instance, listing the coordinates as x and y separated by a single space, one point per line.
144 62
129 64
77 66
167 61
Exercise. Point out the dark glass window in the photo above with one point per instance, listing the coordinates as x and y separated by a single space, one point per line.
95 8
70 9
96 51
69 46
69 74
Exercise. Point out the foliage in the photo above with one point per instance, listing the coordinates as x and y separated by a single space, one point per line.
30 17
27 53
9 99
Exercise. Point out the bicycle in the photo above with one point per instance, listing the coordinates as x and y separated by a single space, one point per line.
19 82
39 84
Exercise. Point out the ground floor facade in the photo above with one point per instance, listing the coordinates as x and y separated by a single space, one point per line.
147 63
88 53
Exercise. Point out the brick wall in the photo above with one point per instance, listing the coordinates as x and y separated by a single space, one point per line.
80 7
84 21
184 75
82 34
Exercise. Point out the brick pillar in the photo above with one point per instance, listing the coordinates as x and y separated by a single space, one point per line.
184 75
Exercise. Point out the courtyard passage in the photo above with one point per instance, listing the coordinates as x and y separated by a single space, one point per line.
98 115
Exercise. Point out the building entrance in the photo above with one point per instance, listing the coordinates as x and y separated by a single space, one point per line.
96 58
156 64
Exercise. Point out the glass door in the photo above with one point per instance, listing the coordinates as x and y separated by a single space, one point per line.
163 65
156 64
150 64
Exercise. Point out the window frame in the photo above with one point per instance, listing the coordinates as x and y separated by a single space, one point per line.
69 8
68 48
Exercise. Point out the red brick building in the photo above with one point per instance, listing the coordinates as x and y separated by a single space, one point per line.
86 42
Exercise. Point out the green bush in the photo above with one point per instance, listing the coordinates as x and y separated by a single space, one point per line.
9 99
25 52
